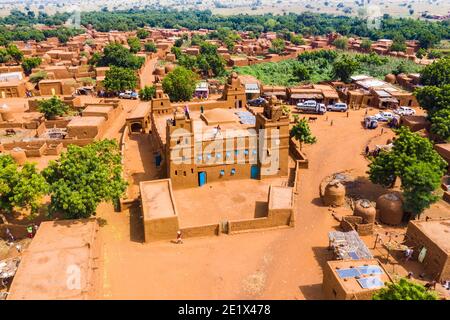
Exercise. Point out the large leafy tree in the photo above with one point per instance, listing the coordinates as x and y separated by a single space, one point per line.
277 46
302 133
436 100
4 55
416 163
117 55
437 73
150 47
15 53
134 44
120 79
344 67
85 176
147 93
142 33
52 107
22 188
180 84
29 63
404 290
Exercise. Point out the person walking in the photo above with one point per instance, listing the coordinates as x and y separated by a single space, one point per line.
367 150
9 235
179 238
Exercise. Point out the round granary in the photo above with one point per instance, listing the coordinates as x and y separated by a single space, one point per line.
334 194
365 210
390 209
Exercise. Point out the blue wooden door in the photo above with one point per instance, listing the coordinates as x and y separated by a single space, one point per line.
158 160
254 173
201 178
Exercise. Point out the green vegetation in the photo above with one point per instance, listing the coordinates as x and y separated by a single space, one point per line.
38 76
435 96
29 63
341 43
52 107
120 79
417 164
209 63
117 55
404 290
147 93
320 67
142 33
20 188
83 177
398 44
134 44
180 84
150 47
227 36
278 46
344 68
301 132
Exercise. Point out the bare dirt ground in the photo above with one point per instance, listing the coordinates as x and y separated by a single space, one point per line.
280 264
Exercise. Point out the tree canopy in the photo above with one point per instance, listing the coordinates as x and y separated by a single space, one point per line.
83 177
52 107
416 163
302 133
134 44
120 79
20 188
147 93
180 84
404 290
29 63
117 55
344 68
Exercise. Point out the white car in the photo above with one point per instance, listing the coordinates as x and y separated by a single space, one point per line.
338 106
384 116
128 95
405 111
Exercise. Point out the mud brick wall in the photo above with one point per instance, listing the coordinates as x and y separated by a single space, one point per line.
161 229
276 220
201 231
437 261
364 229
346 226
54 149
301 158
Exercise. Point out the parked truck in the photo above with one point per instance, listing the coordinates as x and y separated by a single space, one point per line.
311 106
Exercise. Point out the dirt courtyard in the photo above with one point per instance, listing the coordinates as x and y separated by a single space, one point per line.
276 264
227 200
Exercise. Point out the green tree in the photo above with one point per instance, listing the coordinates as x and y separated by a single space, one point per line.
440 123
15 53
416 163
38 76
120 79
404 290
52 107
20 188
4 55
398 44
180 84
29 63
117 55
147 93
300 72
437 73
297 39
344 68
150 47
134 44
421 53
302 133
341 43
366 45
85 176
433 98
277 46
142 33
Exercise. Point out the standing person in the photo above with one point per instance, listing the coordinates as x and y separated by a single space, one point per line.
367 150
408 254
179 239
347 114
30 231
331 123
9 235
201 109
382 131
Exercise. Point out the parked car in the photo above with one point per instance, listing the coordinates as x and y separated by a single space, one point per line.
128 95
311 106
370 122
384 116
256 102
338 106
405 111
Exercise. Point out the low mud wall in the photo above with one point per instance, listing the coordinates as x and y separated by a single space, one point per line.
281 219
201 231
18 231
298 155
